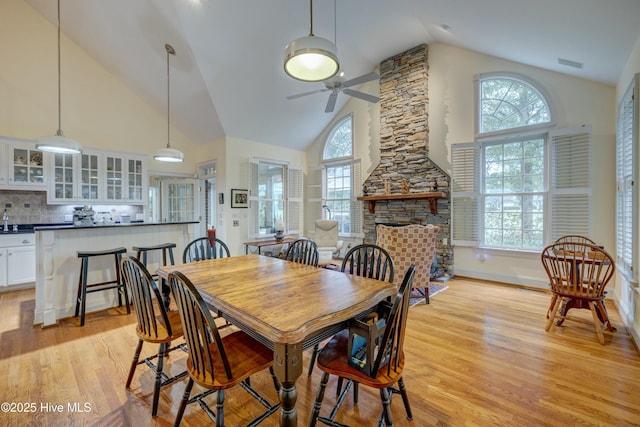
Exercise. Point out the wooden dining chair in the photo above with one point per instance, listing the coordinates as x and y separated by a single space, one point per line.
205 248
155 324
304 251
365 260
575 238
217 363
386 368
578 275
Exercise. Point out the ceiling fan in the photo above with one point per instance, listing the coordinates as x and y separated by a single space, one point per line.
338 84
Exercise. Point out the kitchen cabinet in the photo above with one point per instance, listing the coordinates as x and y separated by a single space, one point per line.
125 178
23 166
97 176
74 178
17 259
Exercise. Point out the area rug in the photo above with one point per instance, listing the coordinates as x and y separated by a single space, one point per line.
418 298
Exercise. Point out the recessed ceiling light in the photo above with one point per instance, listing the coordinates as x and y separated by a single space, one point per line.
446 27
570 63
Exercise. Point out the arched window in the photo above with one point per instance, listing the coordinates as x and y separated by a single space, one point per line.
508 102
520 185
339 143
341 176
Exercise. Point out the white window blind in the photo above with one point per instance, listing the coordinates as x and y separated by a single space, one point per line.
570 186
569 210
253 221
627 140
356 206
465 194
295 193
314 197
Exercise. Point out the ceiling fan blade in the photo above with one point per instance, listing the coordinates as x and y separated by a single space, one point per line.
362 79
331 102
299 95
361 95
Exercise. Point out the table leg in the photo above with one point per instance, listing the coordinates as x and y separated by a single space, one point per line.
288 367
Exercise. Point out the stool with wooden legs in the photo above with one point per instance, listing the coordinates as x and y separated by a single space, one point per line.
84 287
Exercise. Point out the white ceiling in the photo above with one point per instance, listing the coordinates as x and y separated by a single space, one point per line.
227 77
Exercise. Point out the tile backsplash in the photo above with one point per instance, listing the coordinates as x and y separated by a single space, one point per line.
30 207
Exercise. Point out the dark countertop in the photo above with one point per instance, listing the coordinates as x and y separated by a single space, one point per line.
67 226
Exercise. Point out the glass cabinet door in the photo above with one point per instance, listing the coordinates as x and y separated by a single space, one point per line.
115 176
63 176
89 177
28 166
134 179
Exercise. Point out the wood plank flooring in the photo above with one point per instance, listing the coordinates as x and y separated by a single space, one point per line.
478 355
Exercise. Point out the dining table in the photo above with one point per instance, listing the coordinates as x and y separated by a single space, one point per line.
287 306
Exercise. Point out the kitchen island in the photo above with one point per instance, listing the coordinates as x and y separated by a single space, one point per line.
58 266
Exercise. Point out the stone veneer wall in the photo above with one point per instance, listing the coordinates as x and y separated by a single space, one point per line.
404 150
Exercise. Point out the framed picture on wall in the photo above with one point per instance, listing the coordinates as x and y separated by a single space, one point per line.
239 198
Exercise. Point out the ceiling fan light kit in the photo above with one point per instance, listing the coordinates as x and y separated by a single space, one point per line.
59 143
169 154
311 58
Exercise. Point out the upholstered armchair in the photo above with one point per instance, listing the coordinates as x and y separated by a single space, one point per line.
326 237
410 244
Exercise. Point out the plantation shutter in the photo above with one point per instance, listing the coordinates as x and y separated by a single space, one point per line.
465 194
314 197
356 206
626 175
570 187
295 194
253 221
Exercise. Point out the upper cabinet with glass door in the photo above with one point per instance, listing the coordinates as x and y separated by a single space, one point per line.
125 178
97 177
75 178
22 165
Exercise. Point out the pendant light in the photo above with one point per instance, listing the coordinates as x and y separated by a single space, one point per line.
59 143
311 58
168 154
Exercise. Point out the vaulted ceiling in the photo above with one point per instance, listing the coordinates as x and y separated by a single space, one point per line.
227 77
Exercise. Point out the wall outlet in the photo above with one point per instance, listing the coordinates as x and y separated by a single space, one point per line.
68 218
236 223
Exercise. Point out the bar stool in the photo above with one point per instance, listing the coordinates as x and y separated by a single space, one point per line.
141 251
84 287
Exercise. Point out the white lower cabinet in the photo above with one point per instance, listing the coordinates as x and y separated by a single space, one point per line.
17 259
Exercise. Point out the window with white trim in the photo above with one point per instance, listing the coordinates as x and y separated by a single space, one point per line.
627 140
519 185
341 179
275 194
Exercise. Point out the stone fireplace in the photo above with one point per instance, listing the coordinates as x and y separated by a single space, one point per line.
407 186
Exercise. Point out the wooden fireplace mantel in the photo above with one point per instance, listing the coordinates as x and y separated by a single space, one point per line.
432 196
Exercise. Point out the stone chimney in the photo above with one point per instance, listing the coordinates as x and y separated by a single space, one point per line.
404 150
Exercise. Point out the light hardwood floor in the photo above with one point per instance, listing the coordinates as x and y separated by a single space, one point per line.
478 355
